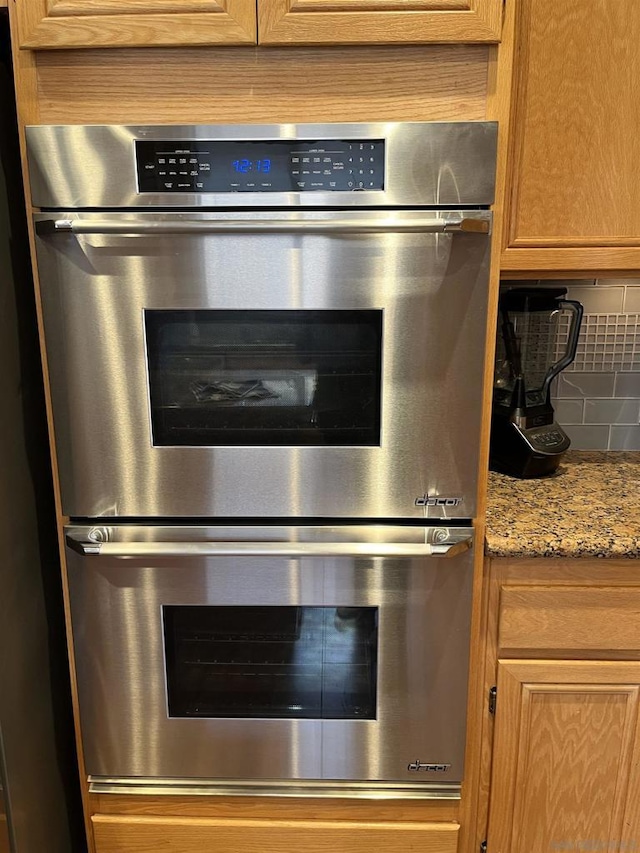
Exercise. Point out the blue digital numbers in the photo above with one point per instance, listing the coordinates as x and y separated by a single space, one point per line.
245 166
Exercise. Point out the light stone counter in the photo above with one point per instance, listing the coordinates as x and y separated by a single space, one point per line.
589 508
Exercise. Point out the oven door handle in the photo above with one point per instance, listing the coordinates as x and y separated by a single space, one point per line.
269 549
469 225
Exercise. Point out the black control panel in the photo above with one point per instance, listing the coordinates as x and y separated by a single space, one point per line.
549 439
265 166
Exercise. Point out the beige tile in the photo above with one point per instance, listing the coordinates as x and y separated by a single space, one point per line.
632 300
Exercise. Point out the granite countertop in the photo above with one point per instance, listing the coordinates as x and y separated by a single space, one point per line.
589 508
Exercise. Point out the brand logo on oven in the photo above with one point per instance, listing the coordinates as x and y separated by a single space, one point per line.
428 768
437 500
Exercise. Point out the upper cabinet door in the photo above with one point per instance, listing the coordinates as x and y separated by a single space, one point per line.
574 199
378 21
45 24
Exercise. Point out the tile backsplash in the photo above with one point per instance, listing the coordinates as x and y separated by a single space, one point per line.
597 398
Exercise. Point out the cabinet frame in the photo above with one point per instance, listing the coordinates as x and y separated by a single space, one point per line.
56 24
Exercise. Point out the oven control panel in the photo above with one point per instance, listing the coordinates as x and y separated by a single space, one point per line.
264 166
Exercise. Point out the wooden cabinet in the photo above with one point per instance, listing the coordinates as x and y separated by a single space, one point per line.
573 198
565 651
179 823
47 24
566 760
126 834
378 21
134 23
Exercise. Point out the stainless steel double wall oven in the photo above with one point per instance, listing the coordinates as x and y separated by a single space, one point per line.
265 347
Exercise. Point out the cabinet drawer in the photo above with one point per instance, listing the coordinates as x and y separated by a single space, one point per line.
562 619
119 834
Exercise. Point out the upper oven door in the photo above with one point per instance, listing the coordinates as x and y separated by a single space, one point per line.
307 364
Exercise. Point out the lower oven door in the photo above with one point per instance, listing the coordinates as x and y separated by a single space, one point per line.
326 653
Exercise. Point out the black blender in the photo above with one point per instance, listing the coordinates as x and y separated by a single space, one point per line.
537 338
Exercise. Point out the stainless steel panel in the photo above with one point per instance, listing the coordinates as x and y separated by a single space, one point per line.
478 224
431 288
299 788
437 542
424 631
427 163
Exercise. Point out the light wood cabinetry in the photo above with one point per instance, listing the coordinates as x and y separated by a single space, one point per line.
134 23
54 24
378 21
120 834
565 652
566 763
573 198
184 824
568 620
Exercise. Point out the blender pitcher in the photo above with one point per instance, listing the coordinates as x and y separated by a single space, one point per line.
537 338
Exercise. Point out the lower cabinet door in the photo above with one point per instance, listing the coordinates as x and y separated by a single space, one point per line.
566 758
115 834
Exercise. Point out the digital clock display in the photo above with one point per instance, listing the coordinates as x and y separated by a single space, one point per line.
265 166
244 166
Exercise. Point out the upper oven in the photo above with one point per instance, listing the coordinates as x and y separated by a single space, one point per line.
290 325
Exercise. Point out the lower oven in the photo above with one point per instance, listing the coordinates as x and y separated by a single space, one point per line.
272 655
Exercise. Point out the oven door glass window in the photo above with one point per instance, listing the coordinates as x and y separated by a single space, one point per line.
271 662
228 378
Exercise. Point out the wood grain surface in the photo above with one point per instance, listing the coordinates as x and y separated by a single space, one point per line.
597 262
566 742
255 85
569 619
575 145
192 835
500 70
58 24
475 787
564 571
277 808
64 8
376 21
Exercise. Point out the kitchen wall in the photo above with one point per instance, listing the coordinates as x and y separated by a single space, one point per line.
597 398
